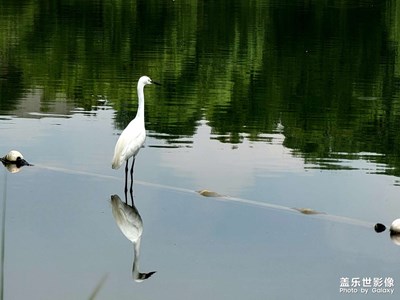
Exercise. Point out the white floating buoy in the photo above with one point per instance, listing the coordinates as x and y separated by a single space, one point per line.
14 160
13 156
395 232
395 227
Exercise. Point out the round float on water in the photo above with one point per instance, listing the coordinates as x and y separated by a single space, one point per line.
14 160
395 227
395 232
379 227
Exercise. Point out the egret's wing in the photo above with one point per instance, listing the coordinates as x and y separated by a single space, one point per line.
129 143
135 142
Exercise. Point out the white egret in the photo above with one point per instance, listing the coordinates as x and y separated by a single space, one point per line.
133 136
131 225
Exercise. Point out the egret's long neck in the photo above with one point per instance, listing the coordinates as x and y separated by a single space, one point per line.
140 112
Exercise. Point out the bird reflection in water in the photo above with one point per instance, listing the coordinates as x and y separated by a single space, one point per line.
130 223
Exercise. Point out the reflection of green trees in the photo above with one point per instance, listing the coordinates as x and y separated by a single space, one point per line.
329 70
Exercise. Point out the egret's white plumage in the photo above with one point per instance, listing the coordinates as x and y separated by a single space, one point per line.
131 225
132 138
130 141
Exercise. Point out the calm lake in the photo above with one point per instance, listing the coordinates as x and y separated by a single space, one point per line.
272 149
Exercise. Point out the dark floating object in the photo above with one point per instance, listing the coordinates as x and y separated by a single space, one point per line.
308 211
379 227
207 193
13 161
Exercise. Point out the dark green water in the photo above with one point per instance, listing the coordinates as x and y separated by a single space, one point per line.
329 72
280 104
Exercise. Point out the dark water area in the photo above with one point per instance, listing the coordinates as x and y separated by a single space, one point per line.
327 72
284 113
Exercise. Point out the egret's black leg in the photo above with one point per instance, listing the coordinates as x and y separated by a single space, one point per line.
126 177
126 196
131 194
133 164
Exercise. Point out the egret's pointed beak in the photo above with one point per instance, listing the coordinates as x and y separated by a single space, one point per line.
155 82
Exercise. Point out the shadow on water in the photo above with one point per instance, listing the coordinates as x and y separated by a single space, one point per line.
130 223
